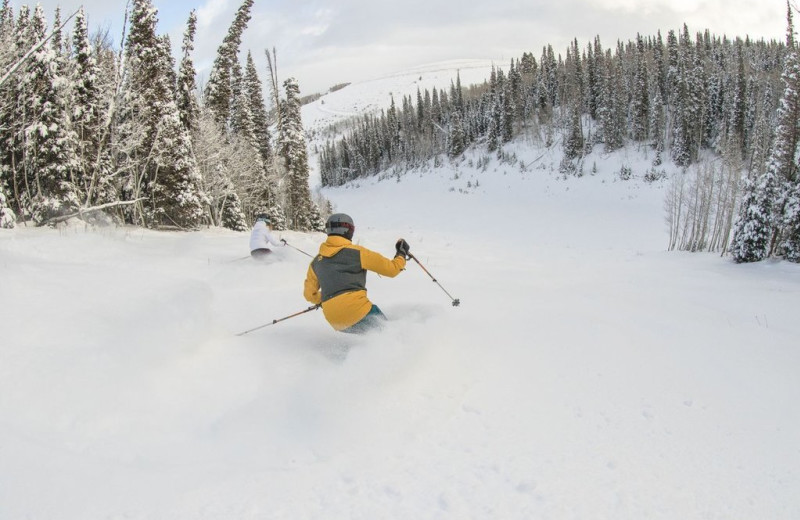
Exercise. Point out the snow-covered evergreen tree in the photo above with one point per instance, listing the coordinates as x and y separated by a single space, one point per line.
641 100
790 246
7 217
293 152
178 197
156 145
188 107
458 141
219 89
7 99
657 119
252 87
784 160
493 113
50 161
684 118
315 218
94 173
232 215
752 229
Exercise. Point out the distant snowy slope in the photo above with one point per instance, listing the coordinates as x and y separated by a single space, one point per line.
372 96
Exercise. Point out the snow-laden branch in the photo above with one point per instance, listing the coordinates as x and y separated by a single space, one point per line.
101 207
33 49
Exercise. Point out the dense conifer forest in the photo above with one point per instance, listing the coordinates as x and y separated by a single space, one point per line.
127 136
724 110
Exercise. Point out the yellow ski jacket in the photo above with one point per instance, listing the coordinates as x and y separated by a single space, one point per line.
337 279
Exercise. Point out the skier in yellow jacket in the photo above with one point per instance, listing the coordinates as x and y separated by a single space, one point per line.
337 277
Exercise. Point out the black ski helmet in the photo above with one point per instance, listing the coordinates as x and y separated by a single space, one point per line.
341 225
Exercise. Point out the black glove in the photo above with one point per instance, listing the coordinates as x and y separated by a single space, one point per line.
402 248
284 241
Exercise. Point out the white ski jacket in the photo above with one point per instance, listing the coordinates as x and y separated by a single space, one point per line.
261 238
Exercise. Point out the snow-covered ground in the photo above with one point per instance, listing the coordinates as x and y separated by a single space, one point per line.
588 373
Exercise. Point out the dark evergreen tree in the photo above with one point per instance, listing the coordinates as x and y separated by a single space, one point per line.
641 101
573 146
493 112
253 89
657 124
218 91
738 107
508 108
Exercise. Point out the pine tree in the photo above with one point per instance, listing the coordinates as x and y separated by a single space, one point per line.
7 103
49 143
738 103
508 110
94 172
641 101
457 137
218 92
657 124
316 221
684 119
494 112
573 146
7 217
784 158
187 83
178 198
752 229
613 105
232 215
253 89
293 152
769 219
155 145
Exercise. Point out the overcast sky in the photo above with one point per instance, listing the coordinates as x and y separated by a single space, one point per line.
325 42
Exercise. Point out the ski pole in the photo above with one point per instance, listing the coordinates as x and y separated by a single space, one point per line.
273 322
456 301
296 249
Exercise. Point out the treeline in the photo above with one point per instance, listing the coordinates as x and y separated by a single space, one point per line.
681 98
125 136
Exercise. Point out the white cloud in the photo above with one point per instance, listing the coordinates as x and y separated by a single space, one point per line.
323 42
211 11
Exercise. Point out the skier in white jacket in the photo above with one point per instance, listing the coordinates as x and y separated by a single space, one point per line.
261 238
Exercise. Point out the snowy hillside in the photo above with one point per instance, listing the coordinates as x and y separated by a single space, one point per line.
587 373
372 96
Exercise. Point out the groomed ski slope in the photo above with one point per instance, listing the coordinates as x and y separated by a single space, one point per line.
588 373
